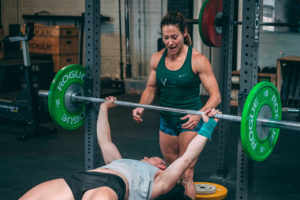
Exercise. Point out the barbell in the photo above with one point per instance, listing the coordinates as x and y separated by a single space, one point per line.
210 22
260 120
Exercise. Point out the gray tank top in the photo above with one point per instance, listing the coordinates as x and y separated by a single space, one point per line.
140 177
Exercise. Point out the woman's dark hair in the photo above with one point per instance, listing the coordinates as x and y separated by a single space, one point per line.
176 18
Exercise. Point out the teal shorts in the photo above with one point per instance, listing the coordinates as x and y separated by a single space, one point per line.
176 129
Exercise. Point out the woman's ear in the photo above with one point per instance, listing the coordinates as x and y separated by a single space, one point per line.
162 167
185 32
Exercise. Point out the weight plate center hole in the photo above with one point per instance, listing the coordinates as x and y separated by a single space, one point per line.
71 106
219 22
263 131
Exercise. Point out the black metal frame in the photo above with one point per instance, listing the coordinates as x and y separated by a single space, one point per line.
92 80
225 84
24 109
128 67
248 78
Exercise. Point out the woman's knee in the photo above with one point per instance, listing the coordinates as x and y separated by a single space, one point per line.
189 174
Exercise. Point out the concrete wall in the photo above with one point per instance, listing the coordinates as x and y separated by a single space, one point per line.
143 47
9 14
12 11
274 45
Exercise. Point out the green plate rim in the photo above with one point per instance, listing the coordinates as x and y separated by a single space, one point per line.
253 91
53 83
200 21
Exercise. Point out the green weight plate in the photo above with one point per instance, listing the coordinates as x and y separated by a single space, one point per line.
66 77
200 21
263 95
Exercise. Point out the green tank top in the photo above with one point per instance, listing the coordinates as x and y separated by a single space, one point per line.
178 89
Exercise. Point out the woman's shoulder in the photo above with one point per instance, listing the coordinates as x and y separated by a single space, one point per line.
158 54
196 53
155 58
199 60
197 56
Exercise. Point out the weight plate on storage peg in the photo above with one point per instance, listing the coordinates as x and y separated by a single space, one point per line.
205 188
263 101
219 194
200 21
65 113
209 15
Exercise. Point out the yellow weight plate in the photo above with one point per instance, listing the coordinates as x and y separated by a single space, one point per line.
221 192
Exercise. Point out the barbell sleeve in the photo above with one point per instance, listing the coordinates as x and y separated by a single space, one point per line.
280 124
43 93
290 110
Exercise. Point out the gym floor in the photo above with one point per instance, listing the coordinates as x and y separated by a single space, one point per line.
48 155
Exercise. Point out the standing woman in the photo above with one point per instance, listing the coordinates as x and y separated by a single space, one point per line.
176 73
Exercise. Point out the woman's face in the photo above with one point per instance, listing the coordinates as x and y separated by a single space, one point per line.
173 38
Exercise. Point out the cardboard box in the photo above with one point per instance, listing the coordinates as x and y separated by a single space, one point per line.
54 39
53 45
60 61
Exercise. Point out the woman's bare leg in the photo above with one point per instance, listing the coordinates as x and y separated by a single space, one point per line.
184 140
169 147
103 193
50 190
